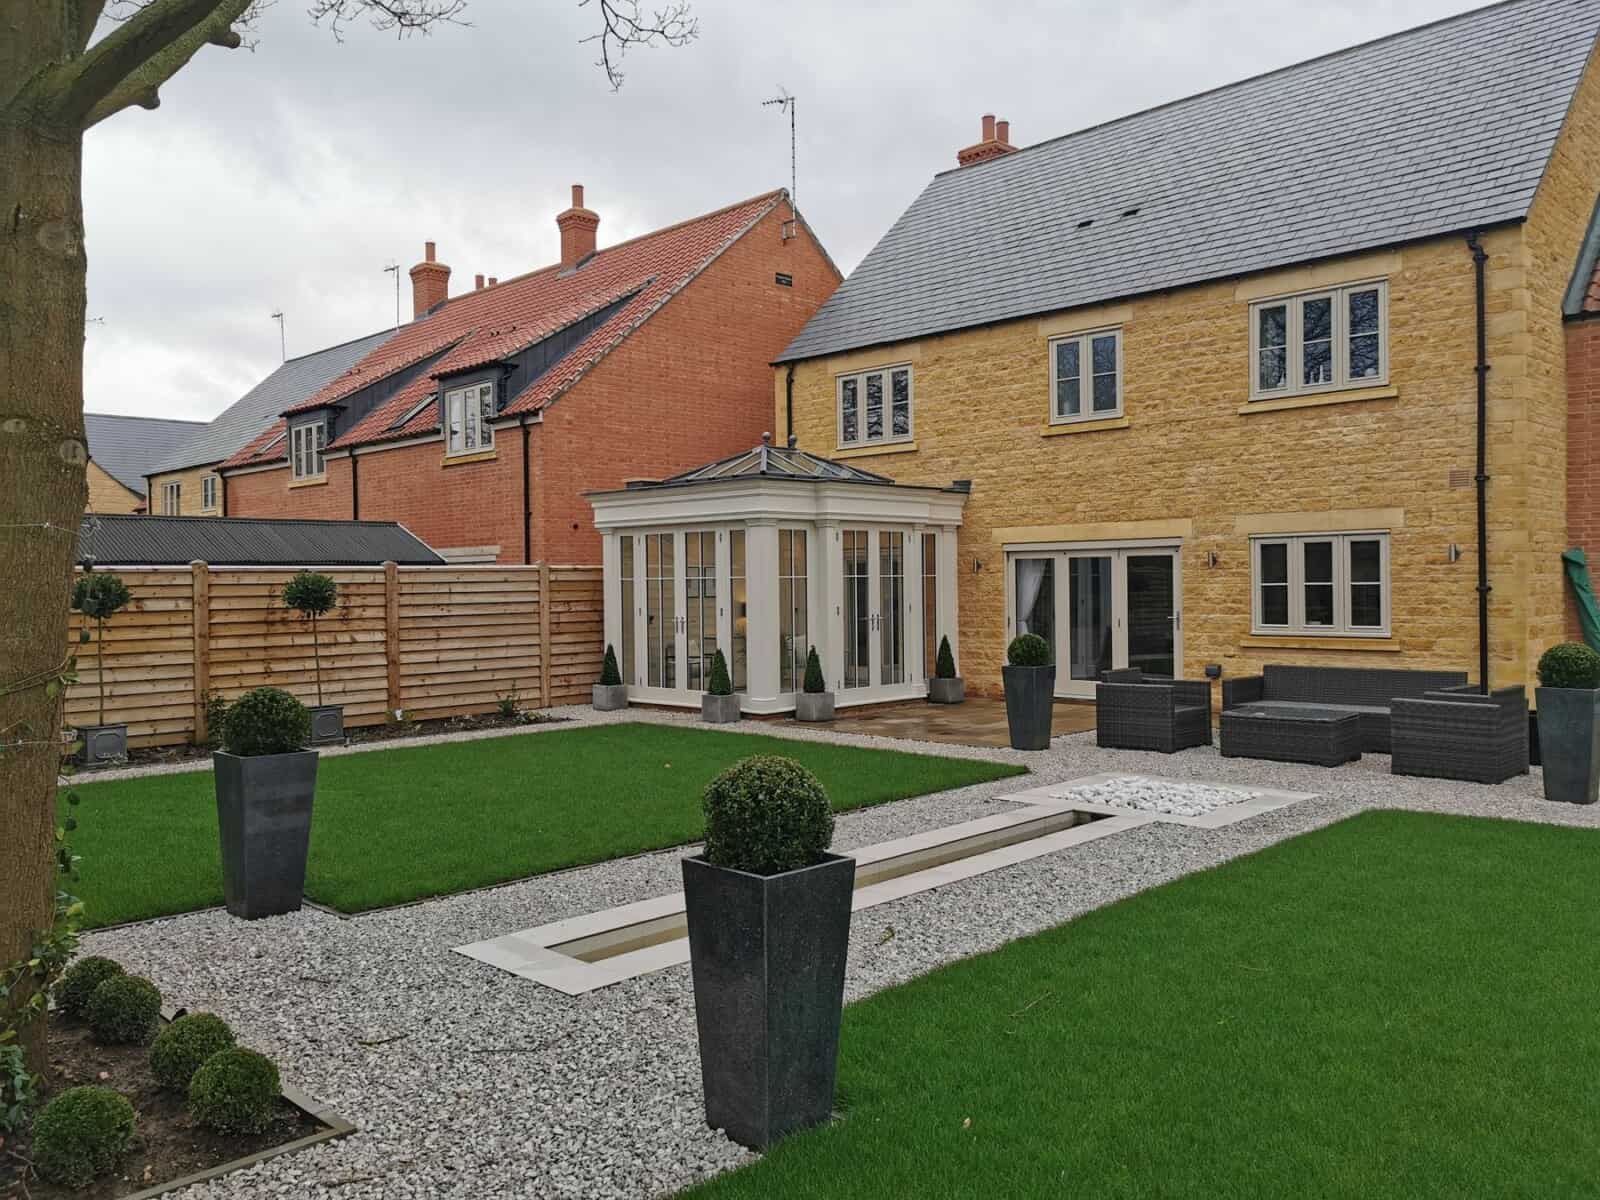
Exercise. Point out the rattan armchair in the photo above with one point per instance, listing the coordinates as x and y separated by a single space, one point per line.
1134 711
1459 733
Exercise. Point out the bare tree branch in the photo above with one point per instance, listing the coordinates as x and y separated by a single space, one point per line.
402 16
128 64
622 25
86 15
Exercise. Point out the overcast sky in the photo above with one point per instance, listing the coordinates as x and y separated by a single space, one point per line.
289 176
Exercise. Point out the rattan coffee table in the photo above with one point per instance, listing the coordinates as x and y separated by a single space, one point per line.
1321 737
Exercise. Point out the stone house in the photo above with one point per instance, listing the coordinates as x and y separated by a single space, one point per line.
1212 372
480 423
121 450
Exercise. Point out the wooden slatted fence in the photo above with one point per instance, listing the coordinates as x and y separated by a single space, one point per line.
430 641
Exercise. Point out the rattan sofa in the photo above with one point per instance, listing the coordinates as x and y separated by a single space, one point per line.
1134 711
1459 733
1367 691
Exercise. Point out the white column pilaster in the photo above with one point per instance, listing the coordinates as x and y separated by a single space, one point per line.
949 624
827 609
761 568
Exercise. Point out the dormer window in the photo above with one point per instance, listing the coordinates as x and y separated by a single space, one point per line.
468 412
306 443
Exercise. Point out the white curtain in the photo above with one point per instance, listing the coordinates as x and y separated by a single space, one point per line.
1030 578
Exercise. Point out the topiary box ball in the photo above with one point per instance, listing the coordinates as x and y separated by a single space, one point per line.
81 1134
1028 650
124 1011
79 982
235 1091
1569 665
183 1047
766 815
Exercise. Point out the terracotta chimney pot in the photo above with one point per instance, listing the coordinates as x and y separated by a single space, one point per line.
430 282
578 226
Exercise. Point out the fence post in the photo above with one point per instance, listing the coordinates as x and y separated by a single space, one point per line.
391 632
200 597
544 635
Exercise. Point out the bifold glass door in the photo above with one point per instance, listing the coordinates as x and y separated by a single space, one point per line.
879 622
673 587
1099 610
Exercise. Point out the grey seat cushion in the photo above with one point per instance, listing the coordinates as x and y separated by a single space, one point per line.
1314 706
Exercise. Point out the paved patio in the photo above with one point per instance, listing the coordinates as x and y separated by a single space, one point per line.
977 721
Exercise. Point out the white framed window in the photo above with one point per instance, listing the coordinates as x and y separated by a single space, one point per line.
468 412
171 499
875 406
1320 341
306 444
1321 583
1086 376
208 491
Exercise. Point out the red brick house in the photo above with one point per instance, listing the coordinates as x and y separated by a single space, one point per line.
480 424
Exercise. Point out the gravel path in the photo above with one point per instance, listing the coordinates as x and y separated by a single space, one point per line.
494 1087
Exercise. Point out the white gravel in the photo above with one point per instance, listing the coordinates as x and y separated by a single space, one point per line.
494 1087
1165 796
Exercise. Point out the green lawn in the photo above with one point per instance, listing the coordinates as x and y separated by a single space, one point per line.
397 825
1400 1005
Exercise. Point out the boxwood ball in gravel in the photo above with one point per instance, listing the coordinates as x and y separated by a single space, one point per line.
124 1011
182 1047
235 1091
80 1135
79 982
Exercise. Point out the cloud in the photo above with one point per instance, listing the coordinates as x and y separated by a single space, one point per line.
288 176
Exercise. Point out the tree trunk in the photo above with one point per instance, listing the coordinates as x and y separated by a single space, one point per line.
42 482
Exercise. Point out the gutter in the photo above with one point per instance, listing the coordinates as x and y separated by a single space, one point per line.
527 497
788 405
1480 260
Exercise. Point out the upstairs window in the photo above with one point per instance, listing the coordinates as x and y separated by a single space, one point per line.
1086 377
468 412
875 406
1320 341
171 499
306 444
208 491
1326 583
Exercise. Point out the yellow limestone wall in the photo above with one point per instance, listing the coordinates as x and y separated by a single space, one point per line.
189 494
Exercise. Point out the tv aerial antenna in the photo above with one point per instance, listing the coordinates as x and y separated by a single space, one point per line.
394 269
283 345
785 102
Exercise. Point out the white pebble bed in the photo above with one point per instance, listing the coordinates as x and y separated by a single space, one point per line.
1168 797
468 1082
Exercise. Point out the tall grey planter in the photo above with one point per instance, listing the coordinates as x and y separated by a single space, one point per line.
767 953
264 822
1569 743
327 724
1030 700
102 744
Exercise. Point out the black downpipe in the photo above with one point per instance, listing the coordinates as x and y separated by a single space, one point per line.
355 488
527 499
788 405
222 493
1480 260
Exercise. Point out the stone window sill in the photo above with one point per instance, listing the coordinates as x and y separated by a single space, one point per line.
1317 399
456 460
874 448
1261 641
321 481
1061 427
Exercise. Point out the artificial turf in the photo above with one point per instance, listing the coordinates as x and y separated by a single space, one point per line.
402 824
1400 1005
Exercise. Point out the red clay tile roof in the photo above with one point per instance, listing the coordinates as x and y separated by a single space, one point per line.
483 326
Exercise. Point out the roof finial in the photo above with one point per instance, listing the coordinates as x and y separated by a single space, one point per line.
766 438
794 440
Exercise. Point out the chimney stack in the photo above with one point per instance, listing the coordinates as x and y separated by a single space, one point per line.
995 142
430 282
477 283
577 225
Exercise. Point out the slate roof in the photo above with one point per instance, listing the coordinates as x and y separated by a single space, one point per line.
776 462
493 323
125 447
244 419
139 541
1436 130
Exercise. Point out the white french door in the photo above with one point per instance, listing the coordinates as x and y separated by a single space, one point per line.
1099 609
674 593
880 624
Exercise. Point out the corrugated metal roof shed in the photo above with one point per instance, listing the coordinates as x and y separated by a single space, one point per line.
139 541
1433 131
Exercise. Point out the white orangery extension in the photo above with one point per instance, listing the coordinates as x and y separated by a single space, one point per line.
766 554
